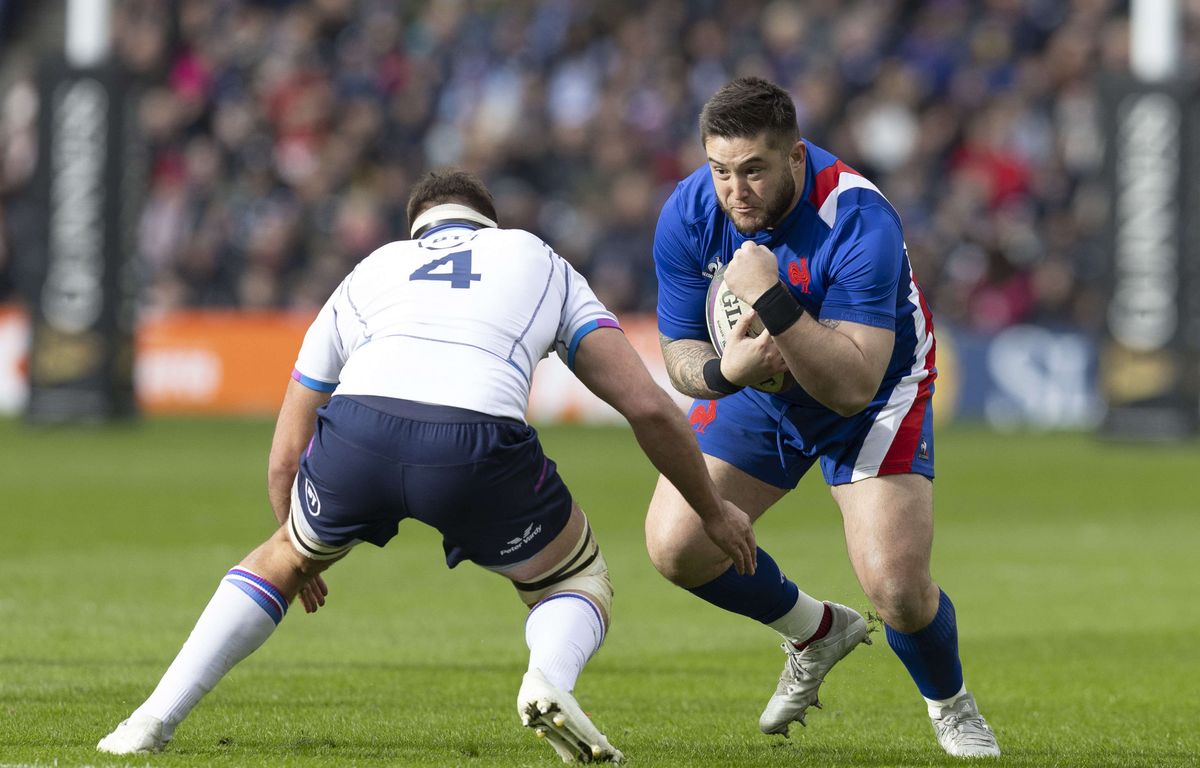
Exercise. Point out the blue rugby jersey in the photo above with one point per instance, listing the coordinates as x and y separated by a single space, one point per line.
841 253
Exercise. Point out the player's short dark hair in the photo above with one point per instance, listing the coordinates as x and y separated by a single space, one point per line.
450 186
746 107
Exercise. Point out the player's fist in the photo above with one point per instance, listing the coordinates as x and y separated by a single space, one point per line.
752 271
750 356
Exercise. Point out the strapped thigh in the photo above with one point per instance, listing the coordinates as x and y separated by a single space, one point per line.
304 538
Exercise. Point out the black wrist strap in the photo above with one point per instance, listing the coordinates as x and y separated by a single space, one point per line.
778 309
716 381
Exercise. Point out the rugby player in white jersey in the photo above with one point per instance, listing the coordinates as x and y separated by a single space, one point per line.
408 401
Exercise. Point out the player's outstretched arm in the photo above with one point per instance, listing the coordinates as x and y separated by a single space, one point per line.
293 429
608 366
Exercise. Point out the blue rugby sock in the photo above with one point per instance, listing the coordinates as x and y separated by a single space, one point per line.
766 596
931 654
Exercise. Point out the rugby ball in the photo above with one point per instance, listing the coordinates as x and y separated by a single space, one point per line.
722 311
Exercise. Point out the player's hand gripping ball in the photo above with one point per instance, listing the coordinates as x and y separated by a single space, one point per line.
722 310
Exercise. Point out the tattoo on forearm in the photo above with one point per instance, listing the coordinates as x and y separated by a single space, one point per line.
685 359
830 323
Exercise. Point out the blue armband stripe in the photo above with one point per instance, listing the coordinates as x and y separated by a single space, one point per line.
584 330
319 386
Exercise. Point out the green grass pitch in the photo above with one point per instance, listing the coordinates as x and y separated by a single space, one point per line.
1072 563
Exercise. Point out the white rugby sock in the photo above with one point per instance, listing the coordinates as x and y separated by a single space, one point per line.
935 705
562 632
242 614
802 621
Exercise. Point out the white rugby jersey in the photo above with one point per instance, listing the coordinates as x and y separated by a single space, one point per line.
459 317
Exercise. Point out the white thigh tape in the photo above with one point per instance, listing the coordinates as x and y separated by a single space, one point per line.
305 539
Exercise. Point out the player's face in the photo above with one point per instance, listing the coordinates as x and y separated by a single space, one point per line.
754 180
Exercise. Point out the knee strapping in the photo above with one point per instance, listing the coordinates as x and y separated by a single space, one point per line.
583 571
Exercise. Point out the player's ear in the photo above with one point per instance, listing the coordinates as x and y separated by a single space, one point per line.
797 155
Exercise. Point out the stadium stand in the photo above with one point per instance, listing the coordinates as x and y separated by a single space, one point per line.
285 134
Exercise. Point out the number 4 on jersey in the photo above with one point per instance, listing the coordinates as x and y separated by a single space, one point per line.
460 274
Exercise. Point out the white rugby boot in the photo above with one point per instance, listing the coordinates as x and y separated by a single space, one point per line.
805 670
555 716
962 731
138 735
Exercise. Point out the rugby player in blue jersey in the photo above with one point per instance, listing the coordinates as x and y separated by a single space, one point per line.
819 253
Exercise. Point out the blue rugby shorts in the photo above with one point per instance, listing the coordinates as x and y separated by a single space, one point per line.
776 441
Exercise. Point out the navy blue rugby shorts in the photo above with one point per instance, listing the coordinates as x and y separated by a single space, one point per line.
482 481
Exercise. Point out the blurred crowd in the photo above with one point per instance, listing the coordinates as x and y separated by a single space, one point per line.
285 134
